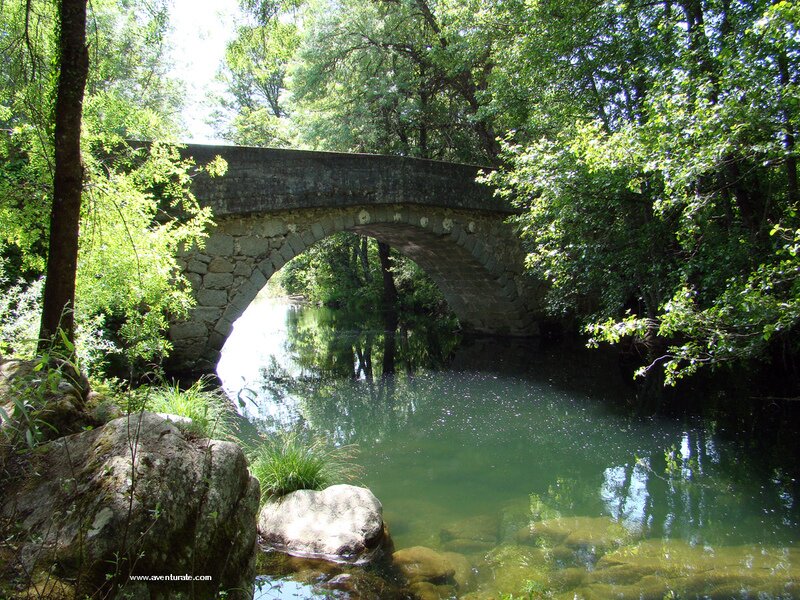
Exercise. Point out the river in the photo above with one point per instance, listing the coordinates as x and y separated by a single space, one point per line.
523 460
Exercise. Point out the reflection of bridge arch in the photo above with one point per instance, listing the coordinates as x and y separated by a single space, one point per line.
434 213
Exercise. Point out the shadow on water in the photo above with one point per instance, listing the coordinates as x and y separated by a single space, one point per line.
523 458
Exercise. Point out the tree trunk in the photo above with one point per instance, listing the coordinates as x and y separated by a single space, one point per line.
389 288
62 260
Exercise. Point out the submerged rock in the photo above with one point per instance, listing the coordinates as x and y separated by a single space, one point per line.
654 568
342 523
471 535
600 533
134 497
419 563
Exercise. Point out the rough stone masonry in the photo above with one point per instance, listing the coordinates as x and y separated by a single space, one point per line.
273 204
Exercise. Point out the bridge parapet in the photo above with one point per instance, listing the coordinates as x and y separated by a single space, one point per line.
261 180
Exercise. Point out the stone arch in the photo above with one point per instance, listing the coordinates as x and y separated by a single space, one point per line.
474 258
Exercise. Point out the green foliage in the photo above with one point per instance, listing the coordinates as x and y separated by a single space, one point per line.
209 409
289 461
657 171
23 421
138 214
128 281
343 270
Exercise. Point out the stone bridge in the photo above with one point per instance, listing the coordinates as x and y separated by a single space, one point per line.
273 204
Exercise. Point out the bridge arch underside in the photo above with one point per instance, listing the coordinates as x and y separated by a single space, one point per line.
474 258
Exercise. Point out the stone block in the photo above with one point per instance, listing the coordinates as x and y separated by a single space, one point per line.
470 243
277 260
196 266
307 237
266 267
296 242
223 327
219 244
190 329
215 342
220 265
258 279
253 246
273 227
212 297
217 281
317 231
206 314
195 279
287 252
231 313
242 269
236 227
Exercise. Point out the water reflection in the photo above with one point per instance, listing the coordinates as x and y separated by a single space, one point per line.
454 432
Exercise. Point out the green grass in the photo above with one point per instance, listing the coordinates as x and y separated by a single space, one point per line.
289 461
209 410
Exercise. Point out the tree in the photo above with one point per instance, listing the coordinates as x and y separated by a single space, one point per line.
129 284
658 172
62 263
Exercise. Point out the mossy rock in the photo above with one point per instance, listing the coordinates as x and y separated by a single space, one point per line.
600 533
421 564
715 572
481 528
515 568
424 590
463 575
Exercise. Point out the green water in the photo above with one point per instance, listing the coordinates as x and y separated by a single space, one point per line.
523 460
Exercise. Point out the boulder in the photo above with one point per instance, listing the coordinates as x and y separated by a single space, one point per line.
342 523
135 497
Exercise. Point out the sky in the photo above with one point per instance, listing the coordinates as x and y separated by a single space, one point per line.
200 32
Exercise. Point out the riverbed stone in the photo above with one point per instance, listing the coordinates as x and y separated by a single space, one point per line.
697 570
464 575
600 533
515 567
137 496
425 590
470 535
422 564
342 523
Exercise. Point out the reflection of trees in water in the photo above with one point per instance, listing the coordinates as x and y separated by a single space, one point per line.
695 489
548 434
335 343
356 379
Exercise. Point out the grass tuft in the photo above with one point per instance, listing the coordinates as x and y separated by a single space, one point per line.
209 409
289 461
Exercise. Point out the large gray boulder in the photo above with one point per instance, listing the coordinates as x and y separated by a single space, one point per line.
135 497
342 523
